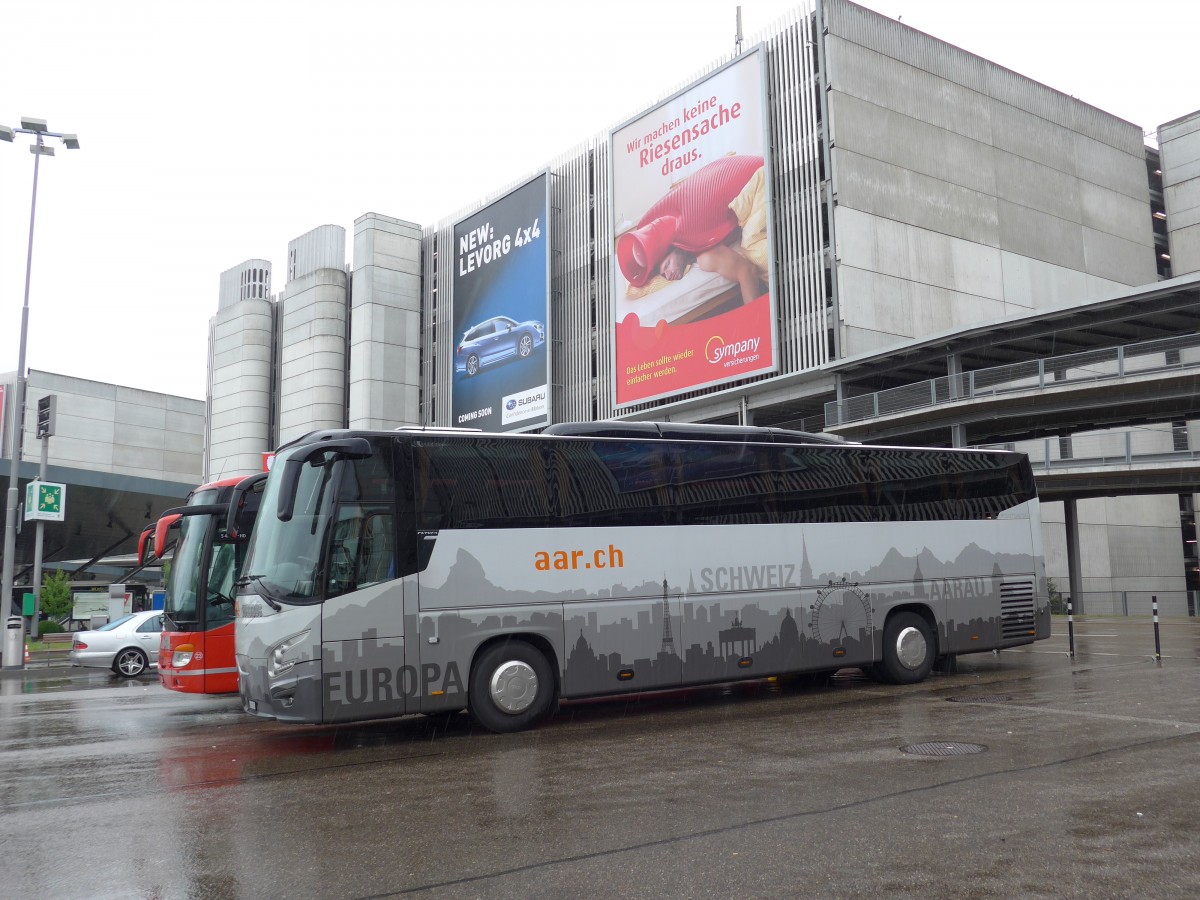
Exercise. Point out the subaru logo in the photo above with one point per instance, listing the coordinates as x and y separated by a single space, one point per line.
510 405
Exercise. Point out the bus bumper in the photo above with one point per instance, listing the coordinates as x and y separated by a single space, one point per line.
294 696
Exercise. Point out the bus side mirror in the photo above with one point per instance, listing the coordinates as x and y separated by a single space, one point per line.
171 519
166 522
144 542
238 502
321 453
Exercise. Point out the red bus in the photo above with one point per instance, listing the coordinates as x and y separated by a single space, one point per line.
196 651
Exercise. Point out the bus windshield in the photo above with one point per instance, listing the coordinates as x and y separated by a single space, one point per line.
195 654
338 534
183 584
284 559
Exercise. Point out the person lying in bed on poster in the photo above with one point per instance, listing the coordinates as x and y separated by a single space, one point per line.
716 216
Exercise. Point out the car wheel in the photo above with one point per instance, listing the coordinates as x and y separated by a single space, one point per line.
130 662
525 346
472 365
511 687
909 649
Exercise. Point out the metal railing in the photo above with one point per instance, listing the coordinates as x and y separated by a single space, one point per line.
1164 355
1135 446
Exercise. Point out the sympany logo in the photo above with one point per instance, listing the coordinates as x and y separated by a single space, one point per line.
716 350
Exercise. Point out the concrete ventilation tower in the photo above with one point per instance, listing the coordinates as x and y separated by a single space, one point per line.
385 324
313 328
240 372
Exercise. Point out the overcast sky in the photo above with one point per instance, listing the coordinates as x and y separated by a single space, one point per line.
217 132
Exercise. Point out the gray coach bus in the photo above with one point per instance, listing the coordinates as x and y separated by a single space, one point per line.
427 571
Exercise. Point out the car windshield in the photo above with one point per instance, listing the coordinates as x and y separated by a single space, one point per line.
116 623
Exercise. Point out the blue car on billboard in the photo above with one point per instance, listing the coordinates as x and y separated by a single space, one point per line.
496 339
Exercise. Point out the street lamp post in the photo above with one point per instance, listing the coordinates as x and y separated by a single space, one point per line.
37 128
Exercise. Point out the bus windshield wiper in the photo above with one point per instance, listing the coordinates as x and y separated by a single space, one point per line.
247 580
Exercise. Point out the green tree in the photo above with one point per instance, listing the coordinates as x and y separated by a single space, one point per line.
56 594
1058 603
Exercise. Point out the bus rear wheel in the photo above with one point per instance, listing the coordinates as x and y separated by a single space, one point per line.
909 649
511 687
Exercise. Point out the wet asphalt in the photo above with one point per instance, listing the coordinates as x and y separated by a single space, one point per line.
1037 774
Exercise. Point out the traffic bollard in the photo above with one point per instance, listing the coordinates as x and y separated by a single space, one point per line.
1157 643
1070 627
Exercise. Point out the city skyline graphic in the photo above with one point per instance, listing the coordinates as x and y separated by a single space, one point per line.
661 632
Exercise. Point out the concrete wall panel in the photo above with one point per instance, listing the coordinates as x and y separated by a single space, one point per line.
1027 232
875 131
870 75
1030 283
894 193
1037 186
1023 134
1122 217
1116 259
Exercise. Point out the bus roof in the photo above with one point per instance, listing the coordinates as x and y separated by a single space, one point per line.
671 431
688 431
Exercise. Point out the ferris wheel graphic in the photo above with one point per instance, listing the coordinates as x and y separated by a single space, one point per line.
842 612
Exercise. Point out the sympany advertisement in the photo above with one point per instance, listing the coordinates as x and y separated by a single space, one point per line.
692 284
501 304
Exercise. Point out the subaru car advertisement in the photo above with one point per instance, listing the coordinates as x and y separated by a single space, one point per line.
501 311
692 257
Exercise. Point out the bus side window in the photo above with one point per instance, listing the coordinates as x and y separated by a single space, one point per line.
343 547
434 489
221 576
362 550
724 483
376 560
612 483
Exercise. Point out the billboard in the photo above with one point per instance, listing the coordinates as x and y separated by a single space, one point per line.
500 310
693 290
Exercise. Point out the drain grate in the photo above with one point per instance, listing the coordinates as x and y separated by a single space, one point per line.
943 748
981 698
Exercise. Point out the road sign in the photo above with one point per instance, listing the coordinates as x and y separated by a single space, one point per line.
45 501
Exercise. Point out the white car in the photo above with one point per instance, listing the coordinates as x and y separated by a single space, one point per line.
126 645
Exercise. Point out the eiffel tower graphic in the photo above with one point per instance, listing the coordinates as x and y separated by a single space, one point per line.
668 643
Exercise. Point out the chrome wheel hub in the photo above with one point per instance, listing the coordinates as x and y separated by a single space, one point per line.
514 686
911 648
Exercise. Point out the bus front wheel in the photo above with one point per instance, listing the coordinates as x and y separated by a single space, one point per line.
909 649
511 687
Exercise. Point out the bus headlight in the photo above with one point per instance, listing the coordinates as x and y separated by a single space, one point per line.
278 660
182 655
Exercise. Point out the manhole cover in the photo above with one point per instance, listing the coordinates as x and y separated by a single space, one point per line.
981 698
943 748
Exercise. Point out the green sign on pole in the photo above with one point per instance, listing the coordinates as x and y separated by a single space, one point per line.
45 501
